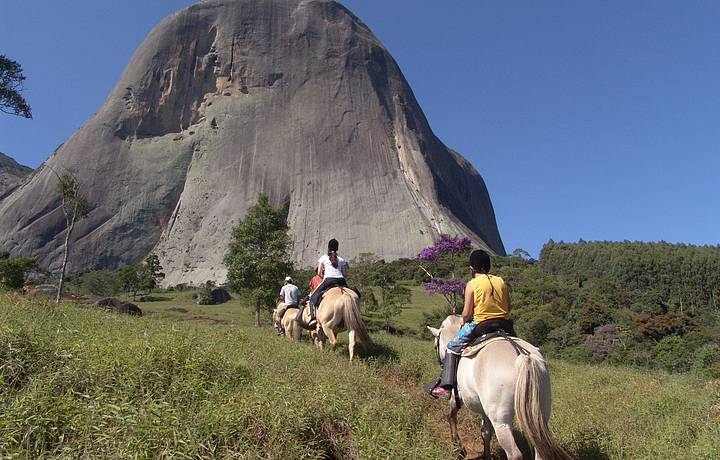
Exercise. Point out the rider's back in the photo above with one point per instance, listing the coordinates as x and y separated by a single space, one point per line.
490 298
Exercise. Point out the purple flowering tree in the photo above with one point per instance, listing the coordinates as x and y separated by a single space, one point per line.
446 244
452 289
602 342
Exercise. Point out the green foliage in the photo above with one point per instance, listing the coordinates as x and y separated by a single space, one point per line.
150 274
388 304
685 278
75 203
103 283
13 270
592 315
204 296
130 278
258 258
706 361
11 85
383 296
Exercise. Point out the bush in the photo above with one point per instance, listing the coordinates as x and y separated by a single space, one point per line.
706 361
204 296
672 354
13 270
104 283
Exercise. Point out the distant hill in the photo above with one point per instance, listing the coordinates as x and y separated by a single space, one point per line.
11 174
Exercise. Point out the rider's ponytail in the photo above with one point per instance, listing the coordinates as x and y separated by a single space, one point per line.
333 246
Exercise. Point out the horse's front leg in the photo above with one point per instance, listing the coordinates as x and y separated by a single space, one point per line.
453 408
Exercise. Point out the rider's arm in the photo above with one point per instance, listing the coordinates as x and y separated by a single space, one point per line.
468 307
343 270
321 269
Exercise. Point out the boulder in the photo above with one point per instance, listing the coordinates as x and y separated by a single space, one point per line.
220 295
119 306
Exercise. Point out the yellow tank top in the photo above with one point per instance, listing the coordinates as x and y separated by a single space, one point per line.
491 298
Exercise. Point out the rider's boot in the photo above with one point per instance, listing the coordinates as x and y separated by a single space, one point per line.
448 379
313 312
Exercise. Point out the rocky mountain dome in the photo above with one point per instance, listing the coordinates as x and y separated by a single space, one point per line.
228 98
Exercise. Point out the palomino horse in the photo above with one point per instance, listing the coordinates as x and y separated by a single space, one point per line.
338 310
500 381
291 328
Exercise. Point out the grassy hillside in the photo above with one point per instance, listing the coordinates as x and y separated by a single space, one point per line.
76 382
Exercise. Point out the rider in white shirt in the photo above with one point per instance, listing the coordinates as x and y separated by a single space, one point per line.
333 270
290 295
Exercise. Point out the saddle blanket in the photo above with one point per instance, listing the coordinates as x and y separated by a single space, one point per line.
472 350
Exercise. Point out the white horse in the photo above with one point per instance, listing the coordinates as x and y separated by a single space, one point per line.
291 328
339 310
498 383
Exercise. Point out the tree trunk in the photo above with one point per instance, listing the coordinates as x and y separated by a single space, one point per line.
257 313
64 262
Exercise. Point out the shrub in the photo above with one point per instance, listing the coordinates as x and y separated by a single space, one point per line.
13 270
706 361
204 296
103 283
672 354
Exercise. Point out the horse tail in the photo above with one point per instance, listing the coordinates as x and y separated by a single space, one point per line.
353 320
532 406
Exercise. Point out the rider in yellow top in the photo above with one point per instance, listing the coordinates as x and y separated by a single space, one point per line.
486 309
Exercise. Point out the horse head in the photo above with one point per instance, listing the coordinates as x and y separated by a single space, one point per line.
447 330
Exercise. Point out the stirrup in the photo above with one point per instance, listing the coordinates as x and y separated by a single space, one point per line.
429 387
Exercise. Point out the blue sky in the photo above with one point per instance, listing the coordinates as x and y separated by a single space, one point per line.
592 120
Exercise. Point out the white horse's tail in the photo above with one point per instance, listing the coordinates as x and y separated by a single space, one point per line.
353 320
532 406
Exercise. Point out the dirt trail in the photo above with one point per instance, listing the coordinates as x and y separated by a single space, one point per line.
468 422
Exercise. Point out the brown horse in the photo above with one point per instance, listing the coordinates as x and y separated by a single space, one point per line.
291 328
339 310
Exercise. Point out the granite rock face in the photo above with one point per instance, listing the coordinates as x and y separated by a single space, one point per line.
228 98
11 174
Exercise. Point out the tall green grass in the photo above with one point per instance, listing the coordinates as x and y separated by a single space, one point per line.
77 382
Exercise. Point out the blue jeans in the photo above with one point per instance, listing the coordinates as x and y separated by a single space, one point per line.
462 338
472 330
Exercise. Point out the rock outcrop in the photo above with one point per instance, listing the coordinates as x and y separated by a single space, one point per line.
228 98
11 174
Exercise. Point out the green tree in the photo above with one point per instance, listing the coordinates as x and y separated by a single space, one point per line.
103 283
258 256
75 206
11 85
13 270
151 273
392 295
130 278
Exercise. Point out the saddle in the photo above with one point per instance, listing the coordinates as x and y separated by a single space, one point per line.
285 311
521 347
336 285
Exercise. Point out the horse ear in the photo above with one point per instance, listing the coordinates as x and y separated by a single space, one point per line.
433 331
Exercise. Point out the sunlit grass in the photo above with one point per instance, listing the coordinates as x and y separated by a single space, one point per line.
77 382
